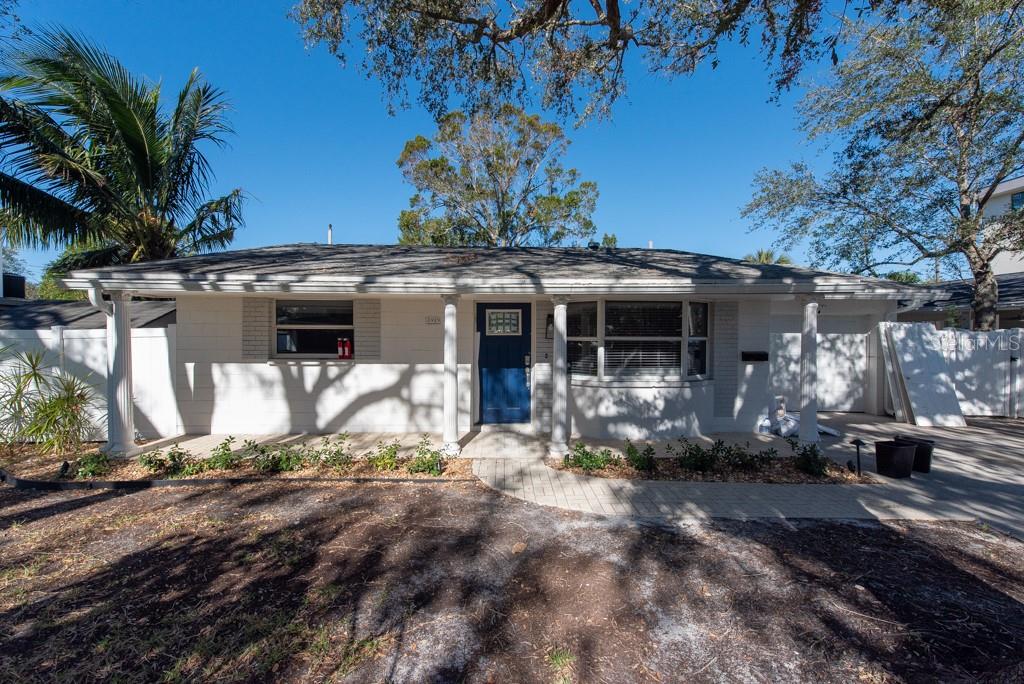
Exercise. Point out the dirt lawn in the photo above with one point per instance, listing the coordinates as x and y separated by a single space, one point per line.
453 582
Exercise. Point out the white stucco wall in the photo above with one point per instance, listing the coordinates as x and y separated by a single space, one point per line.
401 392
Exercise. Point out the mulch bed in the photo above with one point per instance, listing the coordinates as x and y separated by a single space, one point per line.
28 462
781 471
406 582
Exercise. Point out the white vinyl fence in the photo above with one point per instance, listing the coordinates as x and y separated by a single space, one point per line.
83 353
986 370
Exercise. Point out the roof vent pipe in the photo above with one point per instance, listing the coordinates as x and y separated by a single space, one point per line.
650 244
330 234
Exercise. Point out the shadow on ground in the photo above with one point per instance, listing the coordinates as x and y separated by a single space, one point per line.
455 582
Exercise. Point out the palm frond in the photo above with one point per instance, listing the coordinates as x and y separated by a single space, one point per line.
214 225
100 256
35 218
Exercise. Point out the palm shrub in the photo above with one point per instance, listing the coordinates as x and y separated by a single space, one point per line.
95 161
43 404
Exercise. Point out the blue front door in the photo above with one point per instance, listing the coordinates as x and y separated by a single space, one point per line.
504 362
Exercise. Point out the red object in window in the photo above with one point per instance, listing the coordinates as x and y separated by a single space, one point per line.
344 348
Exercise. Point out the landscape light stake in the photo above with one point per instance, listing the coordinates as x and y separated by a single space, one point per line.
858 442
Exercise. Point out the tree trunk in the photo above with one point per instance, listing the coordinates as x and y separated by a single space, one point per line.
986 297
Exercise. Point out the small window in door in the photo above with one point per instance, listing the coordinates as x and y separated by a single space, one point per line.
504 321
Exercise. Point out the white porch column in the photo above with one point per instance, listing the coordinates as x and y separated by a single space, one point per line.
450 432
120 408
809 374
560 383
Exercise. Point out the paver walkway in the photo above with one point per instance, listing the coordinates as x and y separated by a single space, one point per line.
984 482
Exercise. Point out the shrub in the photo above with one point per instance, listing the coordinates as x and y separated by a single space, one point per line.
384 457
640 460
740 458
427 459
44 405
153 461
332 453
223 457
93 465
809 459
695 457
586 459
279 460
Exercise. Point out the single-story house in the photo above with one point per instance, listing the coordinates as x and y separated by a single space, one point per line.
603 343
957 311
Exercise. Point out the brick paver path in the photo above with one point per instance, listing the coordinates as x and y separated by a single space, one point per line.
924 497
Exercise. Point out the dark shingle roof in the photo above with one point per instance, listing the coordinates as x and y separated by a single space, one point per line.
1011 293
34 314
373 264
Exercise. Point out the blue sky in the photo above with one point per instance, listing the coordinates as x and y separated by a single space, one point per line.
314 143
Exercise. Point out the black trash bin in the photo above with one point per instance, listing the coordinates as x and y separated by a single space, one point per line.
894 459
922 454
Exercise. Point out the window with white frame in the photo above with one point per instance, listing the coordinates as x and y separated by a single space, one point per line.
1016 201
697 339
313 329
582 338
637 338
643 338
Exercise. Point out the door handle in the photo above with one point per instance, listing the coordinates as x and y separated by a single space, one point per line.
526 368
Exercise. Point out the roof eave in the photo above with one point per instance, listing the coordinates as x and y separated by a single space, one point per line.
242 284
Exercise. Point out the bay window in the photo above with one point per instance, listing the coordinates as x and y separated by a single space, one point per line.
313 329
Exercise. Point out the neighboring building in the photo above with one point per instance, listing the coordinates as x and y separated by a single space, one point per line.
614 343
958 310
1008 195
37 314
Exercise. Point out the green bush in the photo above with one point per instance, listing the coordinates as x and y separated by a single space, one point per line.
43 404
384 457
740 458
427 459
809 459
153 461
177 462
92 465
695 457
332 453
640 460
279 459
223 457
587 459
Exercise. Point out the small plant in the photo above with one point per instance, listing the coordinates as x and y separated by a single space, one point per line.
93 465
640 460
695 457
740 458
332 453
587 459
282 459
809 459
427 459
223 457
153 461
384 457
177 460
561 659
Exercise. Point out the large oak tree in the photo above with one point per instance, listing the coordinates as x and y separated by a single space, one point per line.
574 53
927 114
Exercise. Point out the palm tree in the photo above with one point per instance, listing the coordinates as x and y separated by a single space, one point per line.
92 160
768 256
